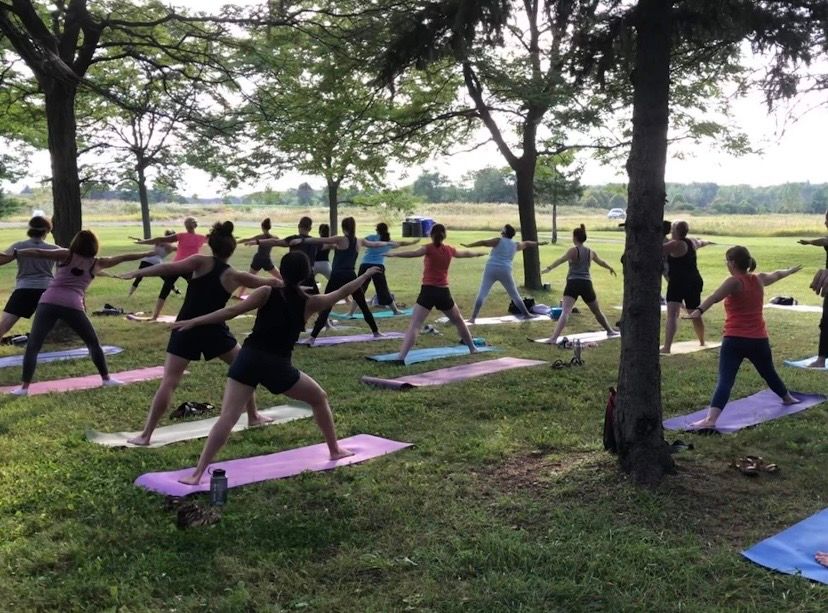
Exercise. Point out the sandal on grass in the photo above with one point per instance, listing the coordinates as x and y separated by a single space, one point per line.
746 466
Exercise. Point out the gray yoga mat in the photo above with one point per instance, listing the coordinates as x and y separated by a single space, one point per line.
426 355
451 375
190 430
55 356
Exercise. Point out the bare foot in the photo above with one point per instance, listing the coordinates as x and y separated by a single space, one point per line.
341 453
311 341
822 558
142 440
788 400
665 350
612 333
703 424
377 334
259 420
191 480
818 363
473 349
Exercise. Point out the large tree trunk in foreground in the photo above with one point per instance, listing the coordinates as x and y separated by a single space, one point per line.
639 433
525 185
144 198
63 150
333 204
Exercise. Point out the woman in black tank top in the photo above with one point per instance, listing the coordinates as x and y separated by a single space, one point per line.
684 282
265 358
261 259
212 283
822 350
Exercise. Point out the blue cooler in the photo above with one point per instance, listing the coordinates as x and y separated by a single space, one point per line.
427 223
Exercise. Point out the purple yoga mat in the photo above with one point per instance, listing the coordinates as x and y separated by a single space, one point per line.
450 375
749 411
327 341
273 466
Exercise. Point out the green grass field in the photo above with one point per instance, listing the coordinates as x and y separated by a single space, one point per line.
506 502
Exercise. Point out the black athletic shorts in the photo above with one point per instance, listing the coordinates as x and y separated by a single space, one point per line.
255 367
261 262
211 341
433 297
23 302
580 288
687 291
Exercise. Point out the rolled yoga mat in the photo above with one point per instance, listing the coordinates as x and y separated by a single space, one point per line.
746 412
377 315
191 430
584 337
796 308
56 356
89 382
804 364
792 551
162 319
327 341
426 355
493 321
278 465
453 374
685 347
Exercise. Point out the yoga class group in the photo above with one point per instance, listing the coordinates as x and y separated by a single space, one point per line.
52 283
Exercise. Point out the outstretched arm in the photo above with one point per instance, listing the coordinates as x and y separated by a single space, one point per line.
7 256
172 269
269 242
46 254
322 302
255 299
462 253
172 238
699 243
525 244
245 279
417 253
374 244
816 242
489 242
114 260
602 263
251 239
558 262
730 285
405 243
769 278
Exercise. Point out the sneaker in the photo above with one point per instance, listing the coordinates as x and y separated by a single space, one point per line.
111 382
19 391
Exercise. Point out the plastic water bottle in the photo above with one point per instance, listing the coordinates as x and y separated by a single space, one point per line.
218 488
578 350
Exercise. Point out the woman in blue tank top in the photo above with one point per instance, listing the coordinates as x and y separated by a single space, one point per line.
579 282
499 268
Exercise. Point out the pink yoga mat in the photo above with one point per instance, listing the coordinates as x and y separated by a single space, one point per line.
89 382
327 341
747 412
453 374
273 466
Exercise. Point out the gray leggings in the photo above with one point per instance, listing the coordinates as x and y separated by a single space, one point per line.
45 318
505 278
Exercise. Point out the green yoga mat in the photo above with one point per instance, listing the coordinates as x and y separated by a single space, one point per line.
377 315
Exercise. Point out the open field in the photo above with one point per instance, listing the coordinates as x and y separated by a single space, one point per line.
506 502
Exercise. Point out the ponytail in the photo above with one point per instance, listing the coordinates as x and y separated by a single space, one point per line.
438 234
740 258
266 224
382 230
579 234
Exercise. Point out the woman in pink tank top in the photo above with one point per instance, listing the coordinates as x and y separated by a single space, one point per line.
745 334
64 300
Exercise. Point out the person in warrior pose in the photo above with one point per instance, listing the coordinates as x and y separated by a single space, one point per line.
160 253
822 350
261 259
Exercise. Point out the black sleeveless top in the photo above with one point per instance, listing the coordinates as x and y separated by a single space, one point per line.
344 260
322 255
279 322
684 267
826 256
264 251
205 294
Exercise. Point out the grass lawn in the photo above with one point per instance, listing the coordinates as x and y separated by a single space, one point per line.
506 502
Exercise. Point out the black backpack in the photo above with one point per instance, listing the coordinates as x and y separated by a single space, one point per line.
784 300
528 302
609 423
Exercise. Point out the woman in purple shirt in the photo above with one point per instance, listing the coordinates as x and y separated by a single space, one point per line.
64 300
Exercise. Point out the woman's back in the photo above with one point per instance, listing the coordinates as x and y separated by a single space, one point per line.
579 267
744 316
205 293
503 253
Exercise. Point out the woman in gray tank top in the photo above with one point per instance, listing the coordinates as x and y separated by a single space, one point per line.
33 274
579 282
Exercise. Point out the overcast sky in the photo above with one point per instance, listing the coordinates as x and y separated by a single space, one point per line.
792 151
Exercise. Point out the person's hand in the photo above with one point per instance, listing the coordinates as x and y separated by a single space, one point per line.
543 243
372 271
126 276
794 269
612 272
694 314
820 282
464 245
186 324
249 243
802 241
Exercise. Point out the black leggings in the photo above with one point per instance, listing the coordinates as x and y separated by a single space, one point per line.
137 281
45 318
338 279
380 284
823 330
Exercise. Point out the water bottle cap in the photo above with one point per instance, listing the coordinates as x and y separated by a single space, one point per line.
217 472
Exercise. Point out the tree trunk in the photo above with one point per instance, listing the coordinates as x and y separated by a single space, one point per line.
63 150
639 434
142 196
525 184
333 204
555 222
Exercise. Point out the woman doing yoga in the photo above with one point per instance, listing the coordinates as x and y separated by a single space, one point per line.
579 282
322 261
265 358
499 269
212 282
159 254
435 292
65 300
684 281
261 259
822 350
745 335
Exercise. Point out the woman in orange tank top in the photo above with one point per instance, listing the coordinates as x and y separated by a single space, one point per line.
745 335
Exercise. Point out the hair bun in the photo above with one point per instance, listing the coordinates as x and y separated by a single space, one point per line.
224 228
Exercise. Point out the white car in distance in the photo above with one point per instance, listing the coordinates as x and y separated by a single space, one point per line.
617 214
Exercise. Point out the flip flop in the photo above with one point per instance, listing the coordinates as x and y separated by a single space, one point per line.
747 466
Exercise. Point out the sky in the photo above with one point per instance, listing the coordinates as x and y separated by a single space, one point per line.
792 150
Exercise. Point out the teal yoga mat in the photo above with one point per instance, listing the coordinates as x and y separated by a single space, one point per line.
804 364
426 355
377 314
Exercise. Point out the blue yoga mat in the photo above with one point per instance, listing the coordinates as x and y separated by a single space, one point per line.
378 315
804 364
792 551
426 355
54 356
